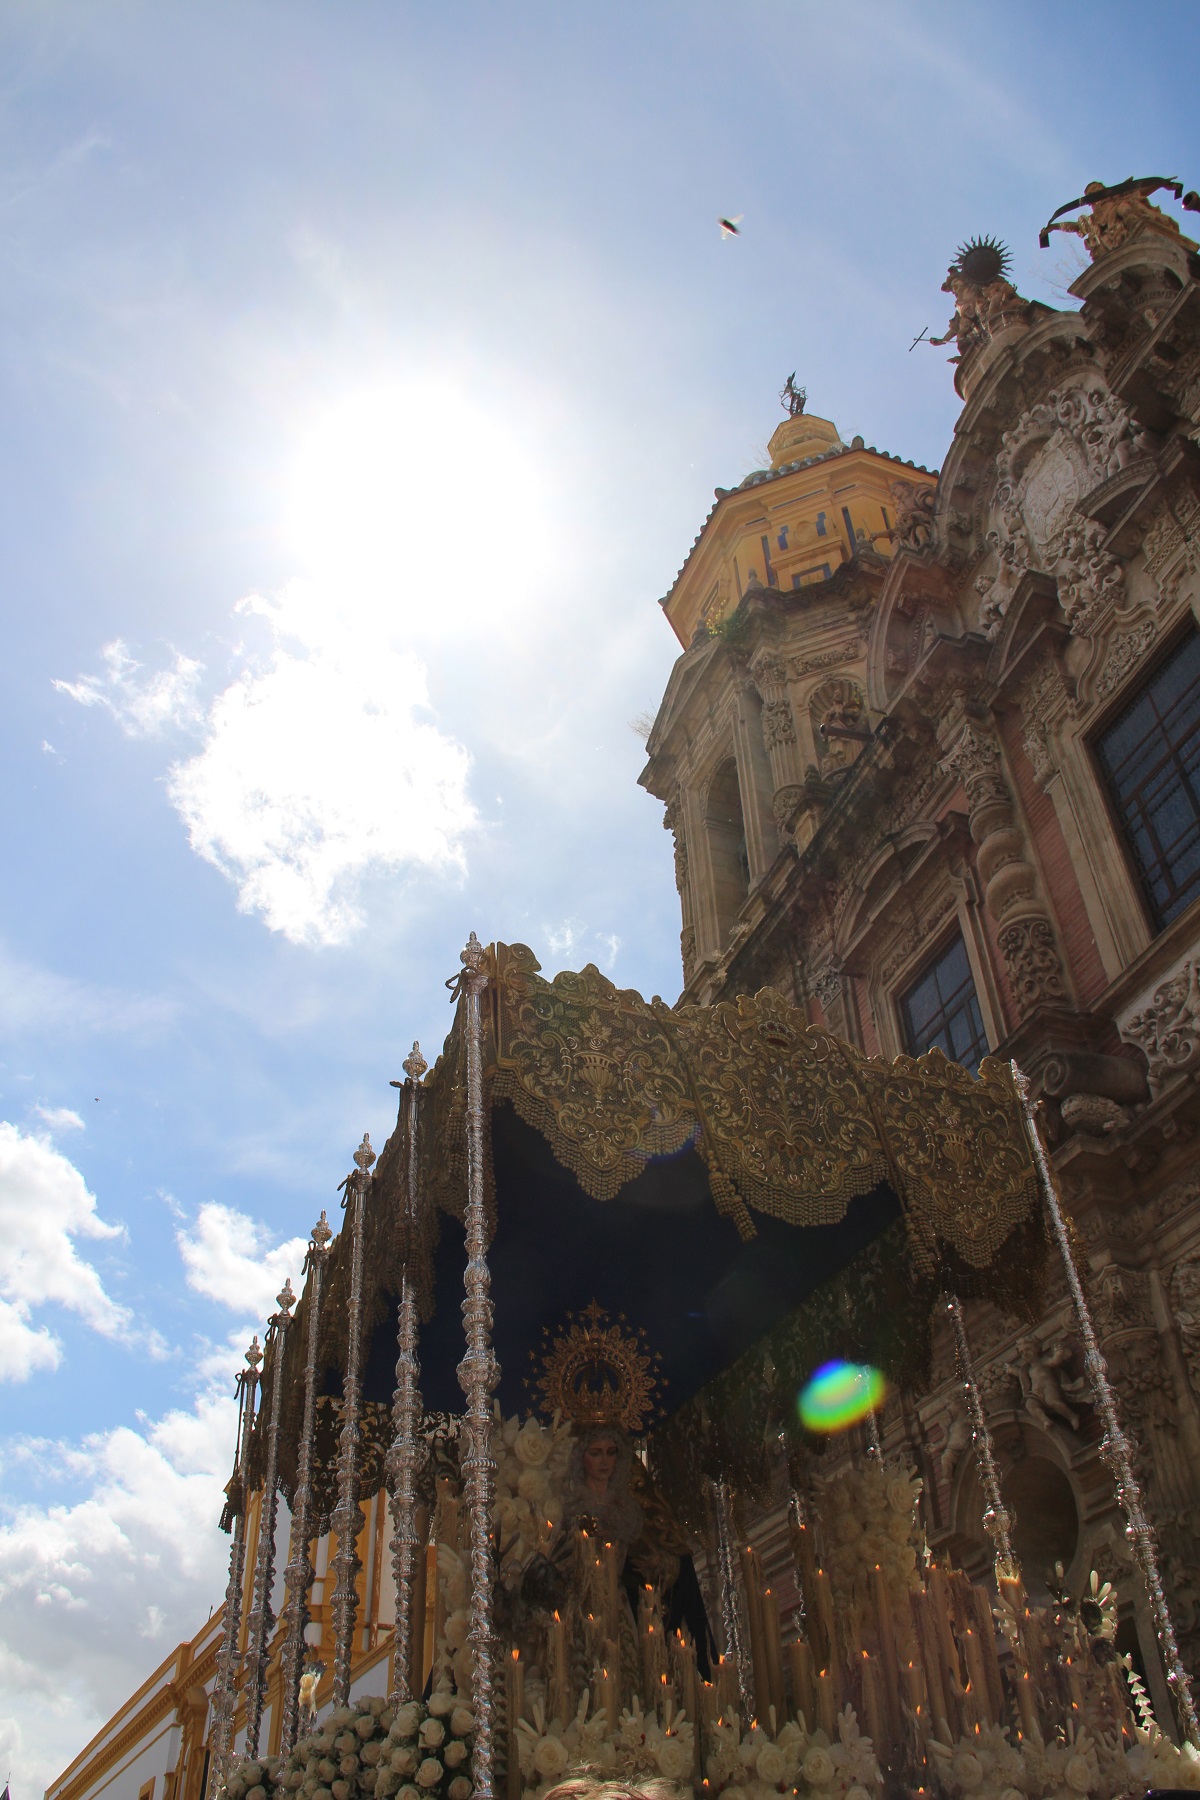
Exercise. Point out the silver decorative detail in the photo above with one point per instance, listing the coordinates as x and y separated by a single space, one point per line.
258 1626
347 1517
299 1572
221 1739
1115 1447
478 1375
406 1409
996 1519
731 1597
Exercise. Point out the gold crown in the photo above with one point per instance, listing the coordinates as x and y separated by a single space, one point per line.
596 1374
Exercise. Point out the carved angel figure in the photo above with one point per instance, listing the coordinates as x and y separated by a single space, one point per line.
1116 218
978 310
914 515
1047 1392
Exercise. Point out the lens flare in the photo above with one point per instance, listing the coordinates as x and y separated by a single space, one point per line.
839 1394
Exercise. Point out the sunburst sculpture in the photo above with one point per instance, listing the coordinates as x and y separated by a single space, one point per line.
982 260
596 1374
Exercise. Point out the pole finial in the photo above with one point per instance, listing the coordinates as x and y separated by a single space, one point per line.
414 1064
472 956
364 1156
286 1299
254 1354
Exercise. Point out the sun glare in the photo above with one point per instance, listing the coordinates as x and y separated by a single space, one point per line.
412 496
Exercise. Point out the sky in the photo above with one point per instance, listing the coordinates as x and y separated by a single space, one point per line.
366 371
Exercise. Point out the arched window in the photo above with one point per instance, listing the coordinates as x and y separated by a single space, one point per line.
727 846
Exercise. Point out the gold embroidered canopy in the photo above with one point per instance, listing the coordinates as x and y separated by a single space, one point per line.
708 1171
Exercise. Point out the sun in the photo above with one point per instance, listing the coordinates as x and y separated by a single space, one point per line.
413 503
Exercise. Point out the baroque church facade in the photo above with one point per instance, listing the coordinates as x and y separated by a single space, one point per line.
931 761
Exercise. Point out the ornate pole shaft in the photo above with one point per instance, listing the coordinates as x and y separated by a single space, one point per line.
1115 1449
478 1375
299 1572
731 1608
406 1410
258 1626
874 1442
221 1739
347 1518
996 1520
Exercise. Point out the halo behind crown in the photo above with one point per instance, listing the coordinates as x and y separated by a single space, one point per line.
596 1374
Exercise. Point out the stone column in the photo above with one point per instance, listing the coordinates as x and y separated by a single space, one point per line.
673 822
1026 935
754 781
784 752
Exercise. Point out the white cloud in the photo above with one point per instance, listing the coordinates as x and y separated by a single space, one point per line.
319 769
143 704
44 1002
230 1258
60 1118
94 1593
44 1206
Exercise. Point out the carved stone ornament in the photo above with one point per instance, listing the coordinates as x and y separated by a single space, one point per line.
1093 1113
1043 700
1050 460
914 515
1168 1030
1031 958
784 802
1125 650
1172 544
777 724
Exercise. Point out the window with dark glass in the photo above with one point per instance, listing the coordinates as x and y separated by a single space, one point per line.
1150 759
941 1008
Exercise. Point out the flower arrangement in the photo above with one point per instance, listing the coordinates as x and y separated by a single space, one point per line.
869 1520
754 1765
531 1463
419 1752
640 1745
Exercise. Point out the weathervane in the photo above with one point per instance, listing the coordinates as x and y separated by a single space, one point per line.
793 398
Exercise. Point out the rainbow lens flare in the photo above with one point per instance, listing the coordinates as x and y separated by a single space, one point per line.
839 1394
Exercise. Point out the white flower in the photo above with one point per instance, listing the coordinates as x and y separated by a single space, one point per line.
404 1759
441 1703
674 1759
407 1718
966 1771
858 1792
550 1756
1079 1774
533 1445
429 1773
409 1792
460 1788
433 1733
454 1753
769 1764
462 1720
817 1767
1008 1793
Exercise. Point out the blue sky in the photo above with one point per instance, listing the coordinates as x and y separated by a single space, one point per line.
365 373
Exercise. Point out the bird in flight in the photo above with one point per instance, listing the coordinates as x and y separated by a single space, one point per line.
731 227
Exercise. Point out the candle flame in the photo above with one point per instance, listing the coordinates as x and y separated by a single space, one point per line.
516 1656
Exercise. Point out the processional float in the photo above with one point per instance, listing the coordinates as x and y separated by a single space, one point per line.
622 1236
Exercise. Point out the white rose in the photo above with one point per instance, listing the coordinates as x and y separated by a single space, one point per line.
462 1721
460 1788
433 1733
533 1486
441 1703
858 1792
769 1765
967 1771
409 1792
533 1445
550 1757
429 1773
404 1759
1078 1774
1009 1793
407 1718
340 1790
817 1767
454 1753
674 1759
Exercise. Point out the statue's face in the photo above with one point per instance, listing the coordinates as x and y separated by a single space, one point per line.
599 1462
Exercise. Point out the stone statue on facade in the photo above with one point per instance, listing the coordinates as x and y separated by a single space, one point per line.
984 297
1119 213
1047 1392
793 398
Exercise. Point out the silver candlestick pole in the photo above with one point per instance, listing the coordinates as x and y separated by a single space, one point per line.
1115 1449
299 1572
478 1375
221 1740
258 1626
731 1604
347 1518
997 1521
406 1408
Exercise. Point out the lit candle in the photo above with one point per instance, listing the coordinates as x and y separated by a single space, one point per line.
826 1705
800 1659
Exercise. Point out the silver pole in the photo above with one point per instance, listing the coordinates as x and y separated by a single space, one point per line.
347 1518
478 1376
406 1410
258 1626
1115 1448
299 1572
996 1519
227 1657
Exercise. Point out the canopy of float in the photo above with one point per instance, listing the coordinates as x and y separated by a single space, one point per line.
744 1190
